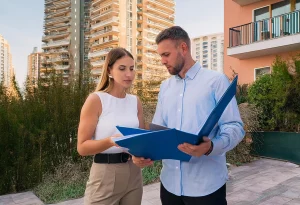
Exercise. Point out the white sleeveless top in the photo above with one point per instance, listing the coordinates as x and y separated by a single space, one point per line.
116 111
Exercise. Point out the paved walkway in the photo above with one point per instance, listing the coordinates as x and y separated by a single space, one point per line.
263 182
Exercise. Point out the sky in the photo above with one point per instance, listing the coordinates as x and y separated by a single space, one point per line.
21 24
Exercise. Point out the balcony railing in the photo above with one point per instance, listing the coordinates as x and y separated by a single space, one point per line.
98 63
59 5
58 19
62 67
96 71
151 47
102 23
56 51
154 31
56 43
161 4
99 53
162 12
55 34
161 19
162 26
58 12
99 33
94 17
170 1
275 27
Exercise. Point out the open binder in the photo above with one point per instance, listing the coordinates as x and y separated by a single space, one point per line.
161 142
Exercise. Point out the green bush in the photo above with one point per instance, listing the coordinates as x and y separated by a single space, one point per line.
38 129
277 96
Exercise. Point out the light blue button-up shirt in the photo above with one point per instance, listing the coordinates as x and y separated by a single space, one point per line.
185 104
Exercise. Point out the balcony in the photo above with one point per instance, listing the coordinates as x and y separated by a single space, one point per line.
54 51
105 22
99 52
56 43
166 21
98 63
58 19
151 47
62 67
96 1
59 5
158 25
57 12
246 2
57 26
171 2
105 31
160 12
111 3
111 11
96 71
55 35
164 6
153 31
270 36
150 39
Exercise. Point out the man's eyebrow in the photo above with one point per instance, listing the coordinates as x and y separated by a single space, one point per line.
165 53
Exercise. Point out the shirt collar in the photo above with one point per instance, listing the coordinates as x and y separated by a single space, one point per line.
192 72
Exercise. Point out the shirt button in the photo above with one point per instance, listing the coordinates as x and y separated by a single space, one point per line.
180 95
176 167
178 110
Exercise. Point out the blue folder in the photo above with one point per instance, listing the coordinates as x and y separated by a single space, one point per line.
161 142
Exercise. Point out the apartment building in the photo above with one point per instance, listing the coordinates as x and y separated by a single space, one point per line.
33 66
6 67
80 33
209 51
132 24
255 32
66 29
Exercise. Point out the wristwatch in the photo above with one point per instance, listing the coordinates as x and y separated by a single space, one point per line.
210 149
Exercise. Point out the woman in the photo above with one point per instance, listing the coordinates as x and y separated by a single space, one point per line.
113 179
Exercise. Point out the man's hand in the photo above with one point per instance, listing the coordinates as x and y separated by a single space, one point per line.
196 150
141 162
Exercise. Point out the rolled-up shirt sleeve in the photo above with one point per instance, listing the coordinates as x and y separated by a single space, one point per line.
230 124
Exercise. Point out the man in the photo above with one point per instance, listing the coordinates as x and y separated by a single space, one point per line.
185 100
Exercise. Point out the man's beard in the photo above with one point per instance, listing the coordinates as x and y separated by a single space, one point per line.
178 67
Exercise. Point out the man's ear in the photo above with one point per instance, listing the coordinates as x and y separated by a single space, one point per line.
184 47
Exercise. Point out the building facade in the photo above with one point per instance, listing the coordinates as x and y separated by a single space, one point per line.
33 66
132 24
209 51
80 33
255 32
6 67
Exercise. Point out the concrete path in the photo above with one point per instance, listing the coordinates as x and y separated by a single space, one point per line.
263 182
25 198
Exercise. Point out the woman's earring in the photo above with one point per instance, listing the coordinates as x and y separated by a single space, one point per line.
110 76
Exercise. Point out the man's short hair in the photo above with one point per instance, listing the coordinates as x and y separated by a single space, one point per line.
175 33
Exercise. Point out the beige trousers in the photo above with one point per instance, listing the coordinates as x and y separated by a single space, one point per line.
114 184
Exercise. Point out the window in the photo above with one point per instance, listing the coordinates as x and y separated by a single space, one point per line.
280 8
261 13
261 25
258 72
297 4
